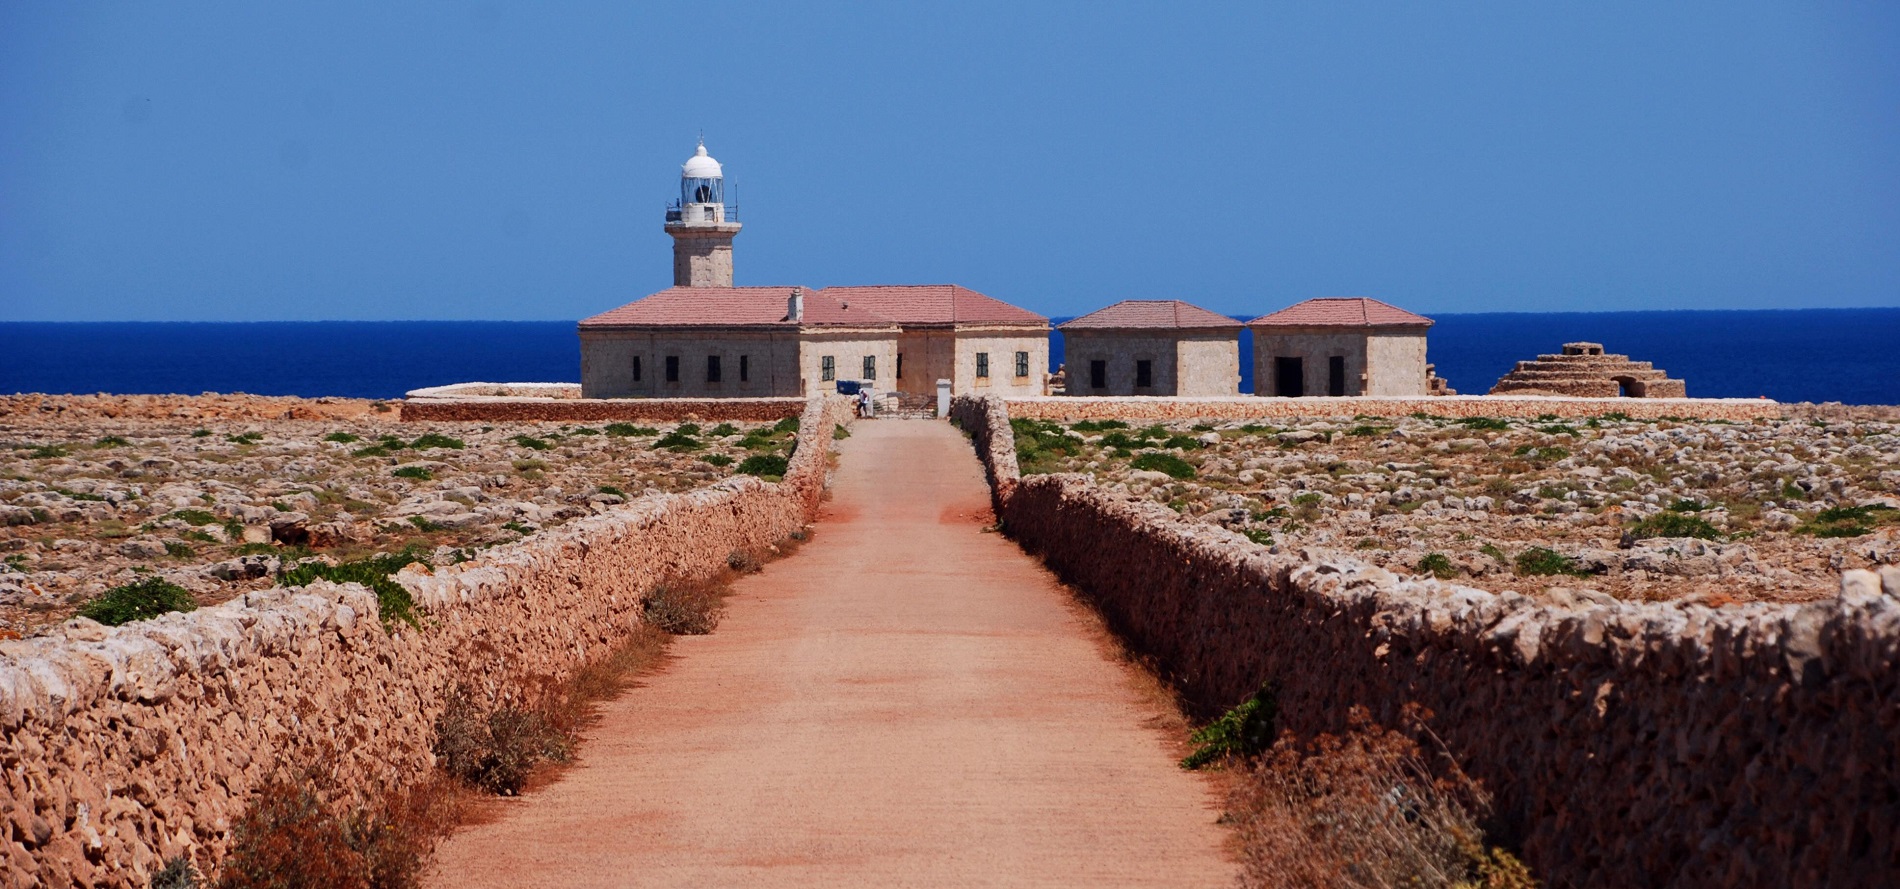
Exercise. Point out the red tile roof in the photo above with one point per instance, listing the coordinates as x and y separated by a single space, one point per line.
733 307
1341 311
933 304
1171 314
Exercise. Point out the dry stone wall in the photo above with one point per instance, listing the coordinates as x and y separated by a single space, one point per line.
1627 745
503 409
124 746
1161 409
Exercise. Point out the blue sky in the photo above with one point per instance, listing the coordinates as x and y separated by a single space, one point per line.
253 161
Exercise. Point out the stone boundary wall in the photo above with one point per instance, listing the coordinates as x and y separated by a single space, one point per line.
987 420
1058 407
124 746
599 410
1626 745
497 390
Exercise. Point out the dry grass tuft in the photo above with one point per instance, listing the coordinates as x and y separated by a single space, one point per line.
293 837
1363 810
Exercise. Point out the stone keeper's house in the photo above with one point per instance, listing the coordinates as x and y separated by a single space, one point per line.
1151 347
1340 346
704 337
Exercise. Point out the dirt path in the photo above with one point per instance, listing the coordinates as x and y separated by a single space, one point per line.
907 701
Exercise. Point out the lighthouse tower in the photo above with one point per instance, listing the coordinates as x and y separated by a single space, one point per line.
702 225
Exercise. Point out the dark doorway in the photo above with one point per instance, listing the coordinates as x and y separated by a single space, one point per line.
1289 377
1336 375
1630 387
1098 375
1144 374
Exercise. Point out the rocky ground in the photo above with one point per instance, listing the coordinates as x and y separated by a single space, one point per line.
1572 511
220 495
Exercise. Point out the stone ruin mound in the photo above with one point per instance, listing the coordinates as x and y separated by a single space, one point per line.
1583 371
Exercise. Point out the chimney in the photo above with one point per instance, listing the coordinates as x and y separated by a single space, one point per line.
795 306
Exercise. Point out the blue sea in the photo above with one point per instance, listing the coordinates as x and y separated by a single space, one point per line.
1846 355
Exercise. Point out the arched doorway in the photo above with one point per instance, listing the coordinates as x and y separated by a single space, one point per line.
1630 387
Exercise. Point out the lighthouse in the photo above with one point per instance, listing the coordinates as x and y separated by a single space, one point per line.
702 225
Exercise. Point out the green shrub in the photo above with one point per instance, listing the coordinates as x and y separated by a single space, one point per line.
1257 535
1687 505
679 442
111 441
393 602
1849 521
720 460
531 443
179 550
586 431
340 437
1492 424
1542 562
610 489
1364 431
840 433
246 438
375 450
419 473
1167 464
434 440
1673 524
200 433
1243 731
1437 565
1098 425
767 466
1616 417
789 424
723 430
142 600
1559 429
195 517
628 430
687 429
47 452
1181 443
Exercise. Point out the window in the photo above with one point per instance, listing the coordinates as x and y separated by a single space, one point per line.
900 365
672 368
1336 375
712 369
744 374
827 368
636 368
1022 364
1144 374
982 365
870 367
1098 375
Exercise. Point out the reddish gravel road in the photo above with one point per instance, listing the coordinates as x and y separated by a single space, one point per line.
907 701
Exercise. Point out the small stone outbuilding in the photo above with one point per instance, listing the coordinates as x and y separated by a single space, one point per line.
1340 346
1582 370
1152 347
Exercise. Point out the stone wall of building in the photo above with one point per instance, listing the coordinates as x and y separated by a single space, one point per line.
1209 365
124 746
1001 345
1257 408
847 350
1120 351
1386 363
768 359
477 409
1625 745
1395 365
